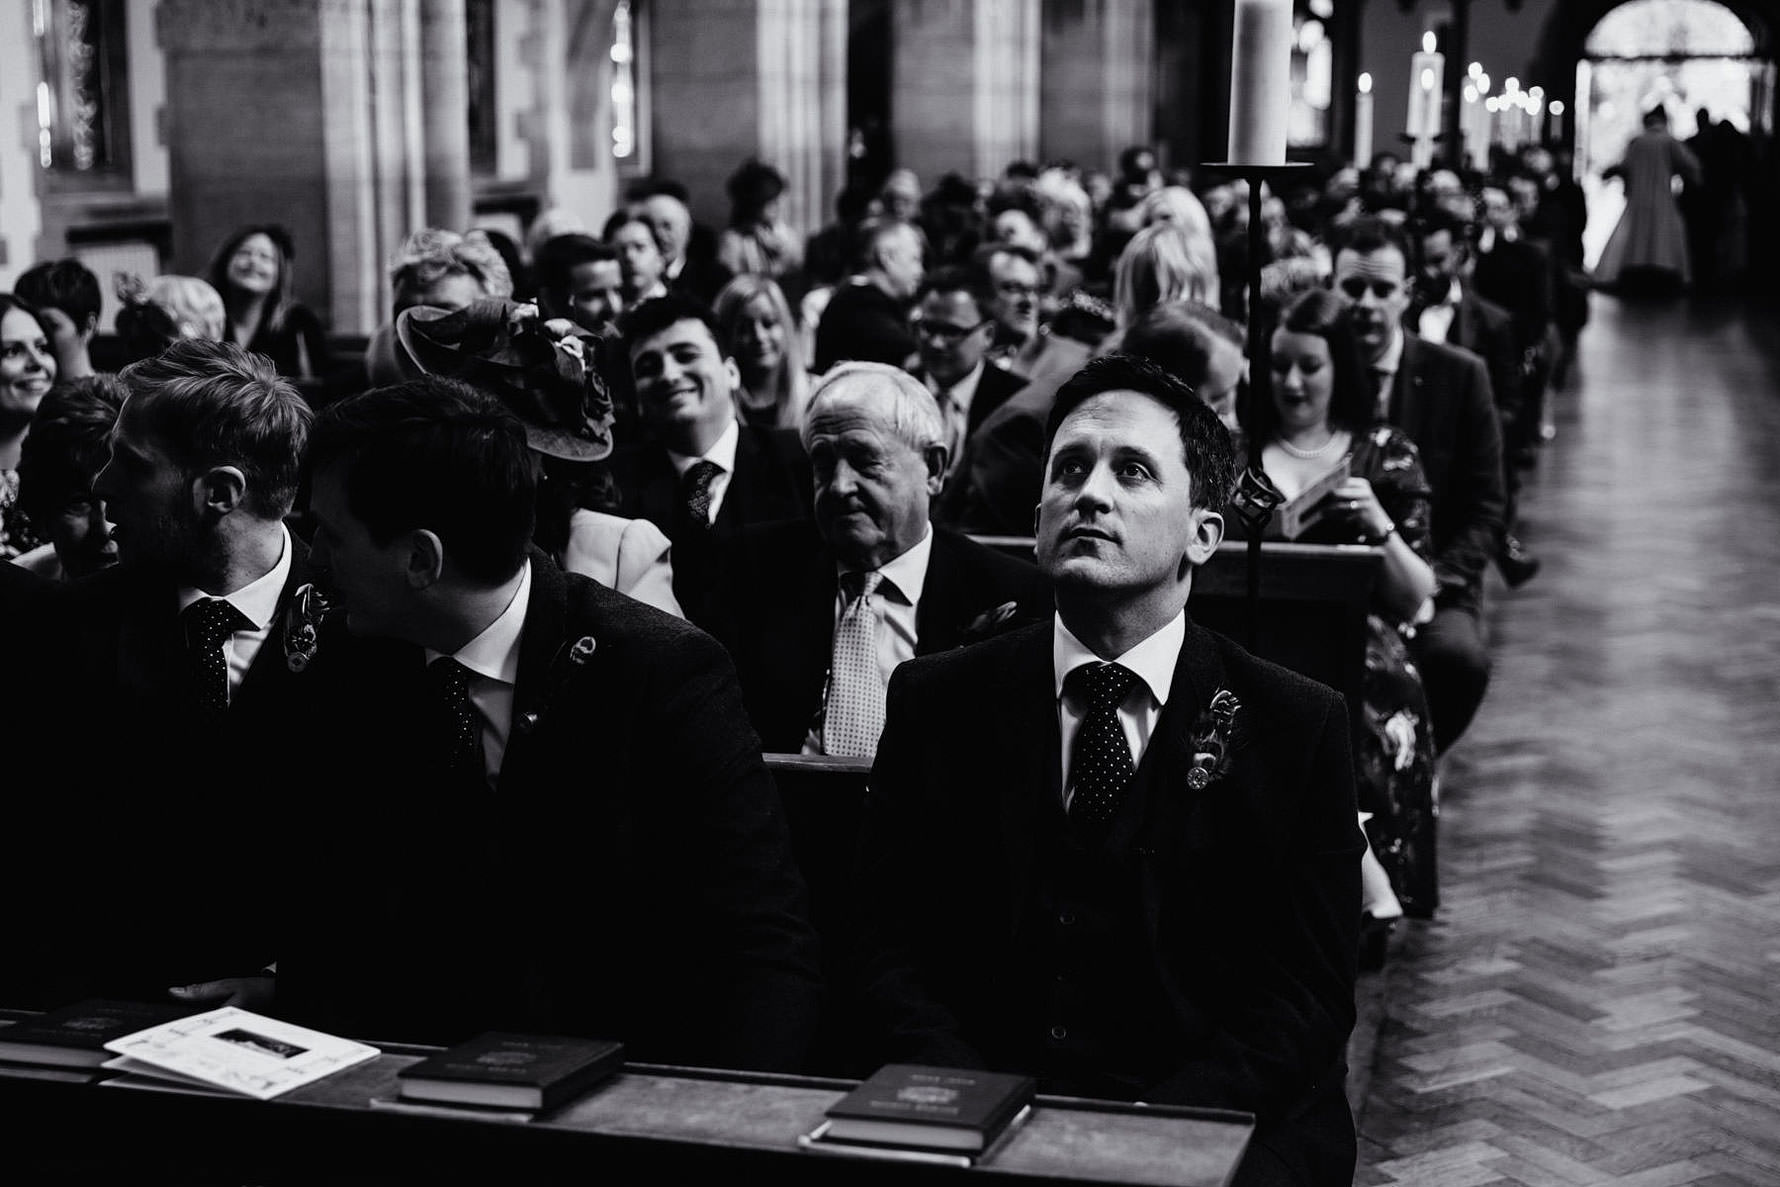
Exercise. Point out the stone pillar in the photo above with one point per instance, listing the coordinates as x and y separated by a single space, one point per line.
965 93
21 215
445 107
738 78
1098 65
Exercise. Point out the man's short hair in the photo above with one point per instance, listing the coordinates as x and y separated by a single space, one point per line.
985 255
1179 337
211 403
1369 233
557 258
436 454
905 403
1440 219
69 442
1205 443
658 313
66 285
958 279
867 237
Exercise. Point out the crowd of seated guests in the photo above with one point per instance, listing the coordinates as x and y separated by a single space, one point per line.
781 443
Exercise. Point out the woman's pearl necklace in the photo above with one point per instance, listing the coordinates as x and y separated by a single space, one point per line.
1309 454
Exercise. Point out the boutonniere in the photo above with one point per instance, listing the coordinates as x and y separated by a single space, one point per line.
1215 737
302 627
569 658
989 622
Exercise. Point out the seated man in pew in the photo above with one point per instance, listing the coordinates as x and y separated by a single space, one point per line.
818 615
1116 851
535 803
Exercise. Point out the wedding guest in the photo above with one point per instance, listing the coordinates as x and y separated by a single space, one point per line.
689 260
581 279
867 318
440 269
1647 250
640 262
66 296
755 327
69 443
154 314
27 371
758 240
253 273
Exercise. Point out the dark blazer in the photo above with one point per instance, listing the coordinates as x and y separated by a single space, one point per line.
629 877
1486 330
1243 896
994 389
184 815
1441 398
995 490
1518 277
774 610
772 481
702 277
863 322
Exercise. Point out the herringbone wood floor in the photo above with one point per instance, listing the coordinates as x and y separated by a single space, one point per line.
1598 1001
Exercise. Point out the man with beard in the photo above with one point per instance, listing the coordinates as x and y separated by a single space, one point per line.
186 658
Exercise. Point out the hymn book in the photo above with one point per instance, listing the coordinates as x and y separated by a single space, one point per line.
929 1108
75 1036
235 1051
512 1071
1307 508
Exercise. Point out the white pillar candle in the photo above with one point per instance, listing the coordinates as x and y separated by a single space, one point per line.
1427 74
1363 122
1260 82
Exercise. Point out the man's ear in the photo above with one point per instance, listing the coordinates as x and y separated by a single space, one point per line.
1208 533
934 457
426 558
89 328
218 491
734 372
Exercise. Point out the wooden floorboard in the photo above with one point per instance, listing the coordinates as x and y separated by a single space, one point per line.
1596 1002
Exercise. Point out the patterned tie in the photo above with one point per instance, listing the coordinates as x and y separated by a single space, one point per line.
854 715
695 485
463 750
208 624
1382 382
1100 764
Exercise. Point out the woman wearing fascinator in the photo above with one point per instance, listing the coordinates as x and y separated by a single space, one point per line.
547 373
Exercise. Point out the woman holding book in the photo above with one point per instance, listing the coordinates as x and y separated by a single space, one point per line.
1318 416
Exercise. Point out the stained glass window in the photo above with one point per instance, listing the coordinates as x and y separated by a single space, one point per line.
1672 28
82 104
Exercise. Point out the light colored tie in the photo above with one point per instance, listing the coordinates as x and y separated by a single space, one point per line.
956 425
855 710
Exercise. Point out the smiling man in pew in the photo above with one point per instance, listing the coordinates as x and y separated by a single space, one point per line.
1116 851
537 804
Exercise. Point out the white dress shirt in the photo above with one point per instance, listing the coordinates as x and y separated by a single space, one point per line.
899 596
723 453
1152 661
954 407
493 662
258 601
1436 320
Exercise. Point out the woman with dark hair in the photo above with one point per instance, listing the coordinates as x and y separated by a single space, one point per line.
69 443
27 372
758 241
252 272
1316 415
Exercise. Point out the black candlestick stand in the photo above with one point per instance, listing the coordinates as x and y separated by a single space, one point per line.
1256 497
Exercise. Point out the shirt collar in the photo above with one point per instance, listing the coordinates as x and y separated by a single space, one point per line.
1153 660
1453 296
258 599
495 652
962 392
722 451
1392 358
907 572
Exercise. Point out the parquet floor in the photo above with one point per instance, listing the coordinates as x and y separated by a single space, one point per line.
1599 1000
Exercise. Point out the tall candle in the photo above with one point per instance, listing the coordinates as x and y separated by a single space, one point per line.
1427 73
1363 122
1260 82
1557 120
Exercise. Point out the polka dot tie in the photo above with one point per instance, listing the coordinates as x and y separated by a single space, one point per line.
855 710
696 485
1100 764
463 749
208 624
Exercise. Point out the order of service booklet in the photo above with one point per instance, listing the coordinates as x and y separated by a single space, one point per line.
235 1051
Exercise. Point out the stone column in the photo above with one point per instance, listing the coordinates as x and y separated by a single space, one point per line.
1098 65
445 112
21 216
738 78
965 93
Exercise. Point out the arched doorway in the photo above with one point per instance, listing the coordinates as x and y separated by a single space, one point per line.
1682 54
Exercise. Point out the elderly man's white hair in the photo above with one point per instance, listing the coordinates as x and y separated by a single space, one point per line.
904 403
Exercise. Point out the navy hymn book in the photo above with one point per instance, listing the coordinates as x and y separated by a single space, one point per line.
504 1070
929 1108
75 1036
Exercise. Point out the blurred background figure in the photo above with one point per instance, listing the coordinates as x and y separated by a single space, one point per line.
579 278
252 272
155 314
69 443
755 327
758 241
66 296
1647 251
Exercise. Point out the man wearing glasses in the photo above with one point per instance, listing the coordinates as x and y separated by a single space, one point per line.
953 332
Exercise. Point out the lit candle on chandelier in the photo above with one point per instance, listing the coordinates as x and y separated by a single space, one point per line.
1363 122
1427 72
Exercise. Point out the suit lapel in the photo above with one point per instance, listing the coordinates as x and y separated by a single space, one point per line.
1021 761
937 625
542 660
1408 403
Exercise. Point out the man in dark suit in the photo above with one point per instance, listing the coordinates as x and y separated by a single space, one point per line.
689 258
792 607
1440 396
1444 309
1517 273
955 326
559 821
705 475
867 318
180 656
1116 851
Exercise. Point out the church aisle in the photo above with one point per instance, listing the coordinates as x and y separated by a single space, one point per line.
1596 1002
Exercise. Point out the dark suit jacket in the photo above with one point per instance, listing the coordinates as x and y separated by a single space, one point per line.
994 389
1486 330
702 277
629 877
863 322
771 482
1517 276
775 612
1441 398
184 816
1247 893
998 483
